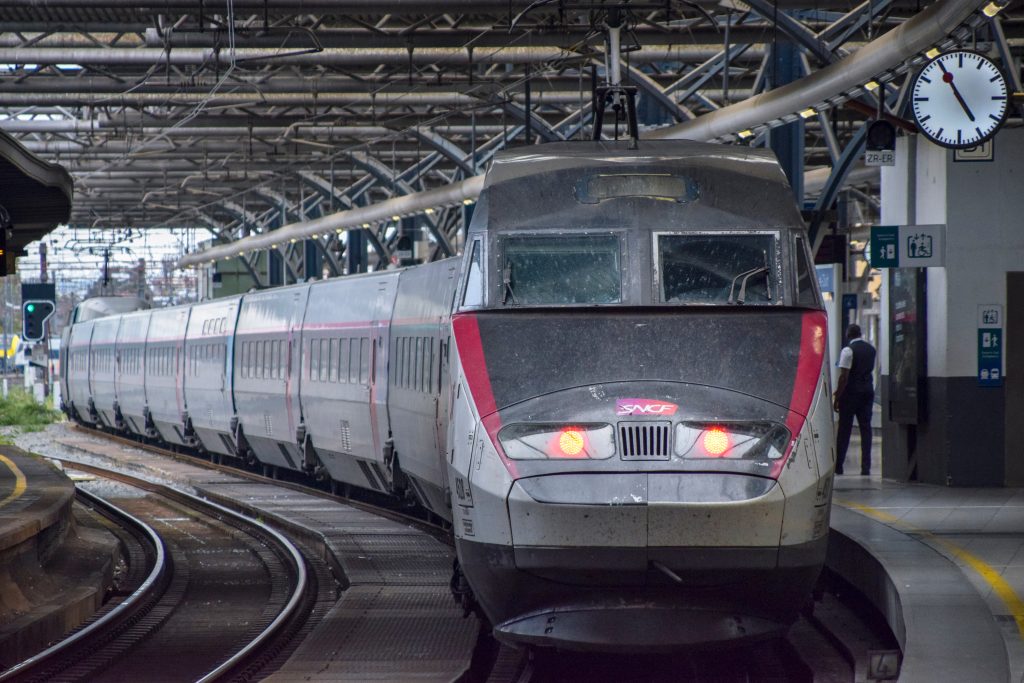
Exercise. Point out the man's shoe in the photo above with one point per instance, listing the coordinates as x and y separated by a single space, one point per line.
839 470
865 473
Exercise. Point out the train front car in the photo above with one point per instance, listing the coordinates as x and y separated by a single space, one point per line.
640 446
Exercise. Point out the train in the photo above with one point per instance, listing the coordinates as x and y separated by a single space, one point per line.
617 395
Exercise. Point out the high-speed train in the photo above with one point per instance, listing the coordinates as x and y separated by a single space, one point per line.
619 395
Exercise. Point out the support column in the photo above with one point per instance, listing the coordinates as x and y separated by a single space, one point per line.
788 141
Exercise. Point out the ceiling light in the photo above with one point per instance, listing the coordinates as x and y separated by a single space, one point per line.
992 9
807 113
871 86
467 202
744 134
932 53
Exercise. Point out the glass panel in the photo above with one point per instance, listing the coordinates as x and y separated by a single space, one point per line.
343 361
353 361
717 268
474 294
325 348
561 270
417 370
805 294
364 361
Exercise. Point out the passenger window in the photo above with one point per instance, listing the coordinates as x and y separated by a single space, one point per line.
314 359
333 371
428 371
364 361
806 296
417 371
343 361
353 361
324 362
474 294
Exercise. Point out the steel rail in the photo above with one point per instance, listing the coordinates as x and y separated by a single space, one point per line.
111 618
291 552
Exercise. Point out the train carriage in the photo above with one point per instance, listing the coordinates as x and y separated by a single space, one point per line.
266 375
130 380
165 395
640 451
209 354
102 369
418 377
344 387
75 368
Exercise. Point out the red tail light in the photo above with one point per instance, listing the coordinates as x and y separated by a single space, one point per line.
571 443
716 441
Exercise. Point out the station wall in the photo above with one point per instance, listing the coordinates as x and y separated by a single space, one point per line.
961 436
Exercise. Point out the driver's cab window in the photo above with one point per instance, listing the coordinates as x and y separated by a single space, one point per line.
473 295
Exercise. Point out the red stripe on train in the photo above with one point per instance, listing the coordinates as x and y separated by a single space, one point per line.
474 366
813 339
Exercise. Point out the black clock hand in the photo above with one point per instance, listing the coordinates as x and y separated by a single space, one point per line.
948 78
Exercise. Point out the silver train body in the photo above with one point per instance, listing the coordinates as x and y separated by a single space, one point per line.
618 396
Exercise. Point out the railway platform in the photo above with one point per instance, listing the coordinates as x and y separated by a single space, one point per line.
944 566
54 569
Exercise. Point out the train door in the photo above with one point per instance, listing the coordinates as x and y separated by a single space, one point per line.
293 362
380 341
441 398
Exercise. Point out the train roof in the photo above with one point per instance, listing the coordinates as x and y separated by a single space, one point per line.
103 306
591 184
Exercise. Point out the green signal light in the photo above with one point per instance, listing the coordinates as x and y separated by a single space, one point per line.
30 308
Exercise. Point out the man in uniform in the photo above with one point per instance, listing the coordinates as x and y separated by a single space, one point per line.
854 397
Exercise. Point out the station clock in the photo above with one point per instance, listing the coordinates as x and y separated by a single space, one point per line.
960 99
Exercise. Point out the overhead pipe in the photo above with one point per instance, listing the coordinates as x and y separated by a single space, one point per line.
835 83
373 7
237 99
419 202
330 56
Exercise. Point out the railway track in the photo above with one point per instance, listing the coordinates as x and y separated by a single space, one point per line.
810 649
222 596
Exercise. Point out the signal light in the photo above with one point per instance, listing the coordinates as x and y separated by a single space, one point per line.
715 441
34 315
571 443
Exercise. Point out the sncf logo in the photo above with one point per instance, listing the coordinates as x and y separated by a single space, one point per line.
643 406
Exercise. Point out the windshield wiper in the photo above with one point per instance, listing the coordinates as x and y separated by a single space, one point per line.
746 275
506 280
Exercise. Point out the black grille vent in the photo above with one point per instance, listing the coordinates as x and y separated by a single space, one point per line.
644 440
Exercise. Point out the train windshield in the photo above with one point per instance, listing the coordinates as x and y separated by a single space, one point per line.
561 270
718 268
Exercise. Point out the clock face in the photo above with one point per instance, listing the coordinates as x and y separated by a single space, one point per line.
959 99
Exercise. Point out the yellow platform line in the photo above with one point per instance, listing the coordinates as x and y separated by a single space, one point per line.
989 574
20 483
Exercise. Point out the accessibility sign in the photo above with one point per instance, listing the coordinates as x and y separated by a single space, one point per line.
908 246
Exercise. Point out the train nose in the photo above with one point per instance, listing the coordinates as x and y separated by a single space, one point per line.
599 528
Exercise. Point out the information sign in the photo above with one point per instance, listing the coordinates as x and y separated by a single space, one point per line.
990 345
908 246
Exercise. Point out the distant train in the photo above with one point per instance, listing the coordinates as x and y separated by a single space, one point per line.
618 396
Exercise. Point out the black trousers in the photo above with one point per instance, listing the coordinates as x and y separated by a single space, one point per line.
854 405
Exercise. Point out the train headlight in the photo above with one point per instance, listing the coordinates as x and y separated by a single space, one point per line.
524 441
733 440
